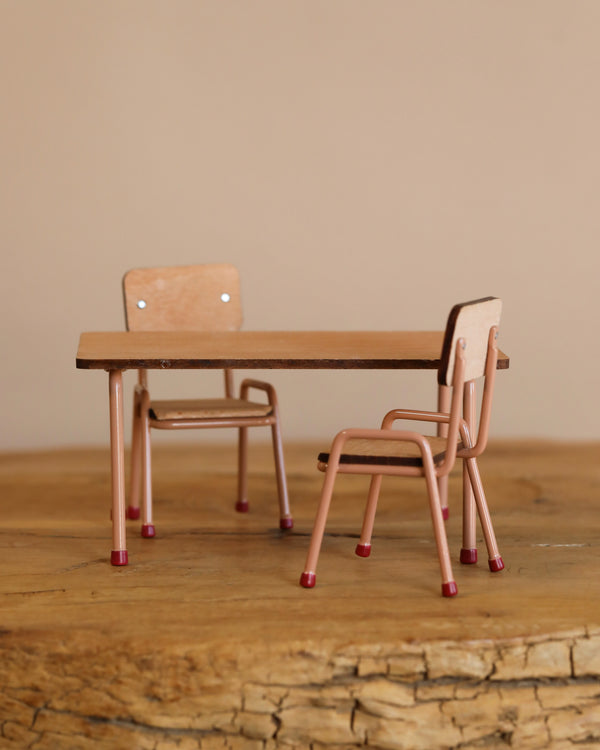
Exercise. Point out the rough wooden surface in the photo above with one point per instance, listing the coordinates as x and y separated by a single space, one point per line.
206 640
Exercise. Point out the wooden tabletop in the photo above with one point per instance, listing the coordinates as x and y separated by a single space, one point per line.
263 350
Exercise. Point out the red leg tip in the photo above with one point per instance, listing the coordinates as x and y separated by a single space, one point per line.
242 506
133 513
363 550
445 513
468 556
308 580
496 564
286 523
148 530
118 557
449 589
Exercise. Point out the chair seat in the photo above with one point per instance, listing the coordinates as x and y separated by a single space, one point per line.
388 452
208 408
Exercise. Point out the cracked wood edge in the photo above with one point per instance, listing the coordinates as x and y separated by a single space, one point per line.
533 692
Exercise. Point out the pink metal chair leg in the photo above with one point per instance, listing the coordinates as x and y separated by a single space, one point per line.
285 517
468 552
449 587
363 548
148 530
308 577
443 492
494 559
242 502
133 509
118 555
444 394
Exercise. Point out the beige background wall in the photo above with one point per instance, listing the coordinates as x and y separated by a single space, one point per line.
365 164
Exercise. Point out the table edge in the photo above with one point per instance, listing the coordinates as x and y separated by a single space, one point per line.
268 363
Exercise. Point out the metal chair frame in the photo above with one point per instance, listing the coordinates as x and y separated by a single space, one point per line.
457 359
204 309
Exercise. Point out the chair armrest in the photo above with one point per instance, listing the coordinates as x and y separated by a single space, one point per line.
414 415
432 416
259 385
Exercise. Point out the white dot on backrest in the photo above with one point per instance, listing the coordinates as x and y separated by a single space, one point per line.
225 297
141 304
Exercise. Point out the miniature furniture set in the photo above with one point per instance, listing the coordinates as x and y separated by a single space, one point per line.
200 330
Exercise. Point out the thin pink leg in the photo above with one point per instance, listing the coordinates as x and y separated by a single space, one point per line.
443 490
308 577
363 548
442 431
449 587
148 529
494 558
118 555
468 553
133 510
285 517
242 502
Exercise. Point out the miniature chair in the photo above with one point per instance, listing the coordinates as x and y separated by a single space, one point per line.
469 351
194 298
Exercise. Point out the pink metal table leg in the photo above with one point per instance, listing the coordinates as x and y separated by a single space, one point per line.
442 431
148 529
118 555
468 553
133 509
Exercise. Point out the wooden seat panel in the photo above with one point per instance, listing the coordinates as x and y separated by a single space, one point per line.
208 408
388 452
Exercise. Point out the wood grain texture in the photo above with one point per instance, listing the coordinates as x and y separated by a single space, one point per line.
183 298
470 321
206 639
206 408
262 349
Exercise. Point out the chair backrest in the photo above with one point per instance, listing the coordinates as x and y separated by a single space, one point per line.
183 298
470 321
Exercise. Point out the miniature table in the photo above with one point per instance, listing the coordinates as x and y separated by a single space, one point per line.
311 350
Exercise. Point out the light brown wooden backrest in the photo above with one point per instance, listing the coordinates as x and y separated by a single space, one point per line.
183 298
470 321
